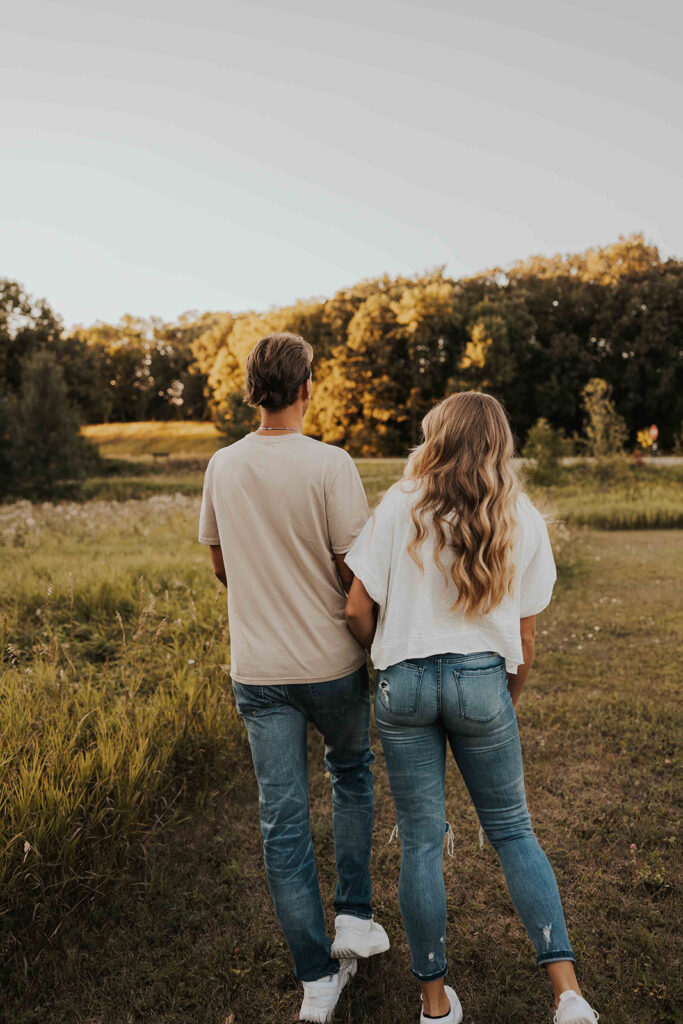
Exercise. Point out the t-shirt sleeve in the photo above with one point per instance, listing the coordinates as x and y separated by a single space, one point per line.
538 578
370 557
346 505
208 527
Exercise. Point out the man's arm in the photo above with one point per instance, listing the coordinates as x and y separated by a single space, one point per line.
361 616
345 574
218 564
527 628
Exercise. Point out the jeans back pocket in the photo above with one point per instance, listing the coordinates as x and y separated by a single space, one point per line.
398 688
480 691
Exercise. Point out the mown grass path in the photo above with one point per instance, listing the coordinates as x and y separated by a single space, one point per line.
194 939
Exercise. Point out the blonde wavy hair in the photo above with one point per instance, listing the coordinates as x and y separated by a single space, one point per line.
469 489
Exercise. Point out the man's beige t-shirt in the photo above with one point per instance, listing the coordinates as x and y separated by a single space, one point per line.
280 507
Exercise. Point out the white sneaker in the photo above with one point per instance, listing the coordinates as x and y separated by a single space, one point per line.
358 936
321 997
573 1009
455 1015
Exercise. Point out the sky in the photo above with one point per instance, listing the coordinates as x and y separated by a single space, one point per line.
160 157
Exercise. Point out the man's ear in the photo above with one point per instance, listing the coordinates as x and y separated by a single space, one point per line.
308 389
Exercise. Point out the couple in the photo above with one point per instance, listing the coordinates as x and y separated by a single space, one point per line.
442 584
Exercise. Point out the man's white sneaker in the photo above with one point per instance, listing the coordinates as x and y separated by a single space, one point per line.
573 1009
321 997
455 1015
358 936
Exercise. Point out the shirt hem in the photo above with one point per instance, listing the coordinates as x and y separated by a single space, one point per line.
507 647
209 540
293 680
536 609
364 576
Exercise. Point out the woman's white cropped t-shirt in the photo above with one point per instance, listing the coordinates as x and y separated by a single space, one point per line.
415 617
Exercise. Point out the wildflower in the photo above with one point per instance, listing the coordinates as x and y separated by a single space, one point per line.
633 846
190 661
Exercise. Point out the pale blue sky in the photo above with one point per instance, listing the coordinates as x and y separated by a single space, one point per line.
160 157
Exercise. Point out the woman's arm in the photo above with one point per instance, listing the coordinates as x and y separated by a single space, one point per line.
527 628
361 614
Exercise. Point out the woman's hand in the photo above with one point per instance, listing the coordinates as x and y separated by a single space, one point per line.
527 629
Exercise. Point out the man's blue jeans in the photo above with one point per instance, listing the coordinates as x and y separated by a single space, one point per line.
276 718
461 700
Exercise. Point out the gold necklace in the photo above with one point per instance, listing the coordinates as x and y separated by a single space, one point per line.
293 430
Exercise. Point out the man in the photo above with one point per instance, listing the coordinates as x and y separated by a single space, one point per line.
280 511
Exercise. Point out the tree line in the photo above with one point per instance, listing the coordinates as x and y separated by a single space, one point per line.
533 334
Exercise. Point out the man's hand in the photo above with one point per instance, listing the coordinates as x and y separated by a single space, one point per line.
345 574
218 564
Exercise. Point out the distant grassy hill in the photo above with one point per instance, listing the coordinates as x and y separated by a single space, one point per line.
179 439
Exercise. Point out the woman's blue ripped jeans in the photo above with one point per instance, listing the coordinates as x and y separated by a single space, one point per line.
463 700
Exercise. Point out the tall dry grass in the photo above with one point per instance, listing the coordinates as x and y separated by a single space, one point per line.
114 695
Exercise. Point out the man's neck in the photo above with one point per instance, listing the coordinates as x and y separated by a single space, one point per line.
286 420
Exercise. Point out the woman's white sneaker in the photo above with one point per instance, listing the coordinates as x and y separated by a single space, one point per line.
321 997
455 1015
573 1009
358 936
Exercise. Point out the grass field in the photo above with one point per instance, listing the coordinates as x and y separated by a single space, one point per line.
130 865
628 497
179 439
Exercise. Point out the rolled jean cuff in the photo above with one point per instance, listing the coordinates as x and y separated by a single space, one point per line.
431 977
320 972
354 910
554 956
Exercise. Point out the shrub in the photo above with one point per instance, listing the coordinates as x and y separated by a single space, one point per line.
606 431
544 446
44 445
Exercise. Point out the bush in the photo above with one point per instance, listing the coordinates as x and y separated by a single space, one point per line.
44 448
606 431
544 446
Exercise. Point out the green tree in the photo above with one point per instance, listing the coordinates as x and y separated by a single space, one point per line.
639 335
429 321
487 360
26 325
6 410
45 446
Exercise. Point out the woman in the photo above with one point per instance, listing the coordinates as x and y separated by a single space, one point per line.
451 571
